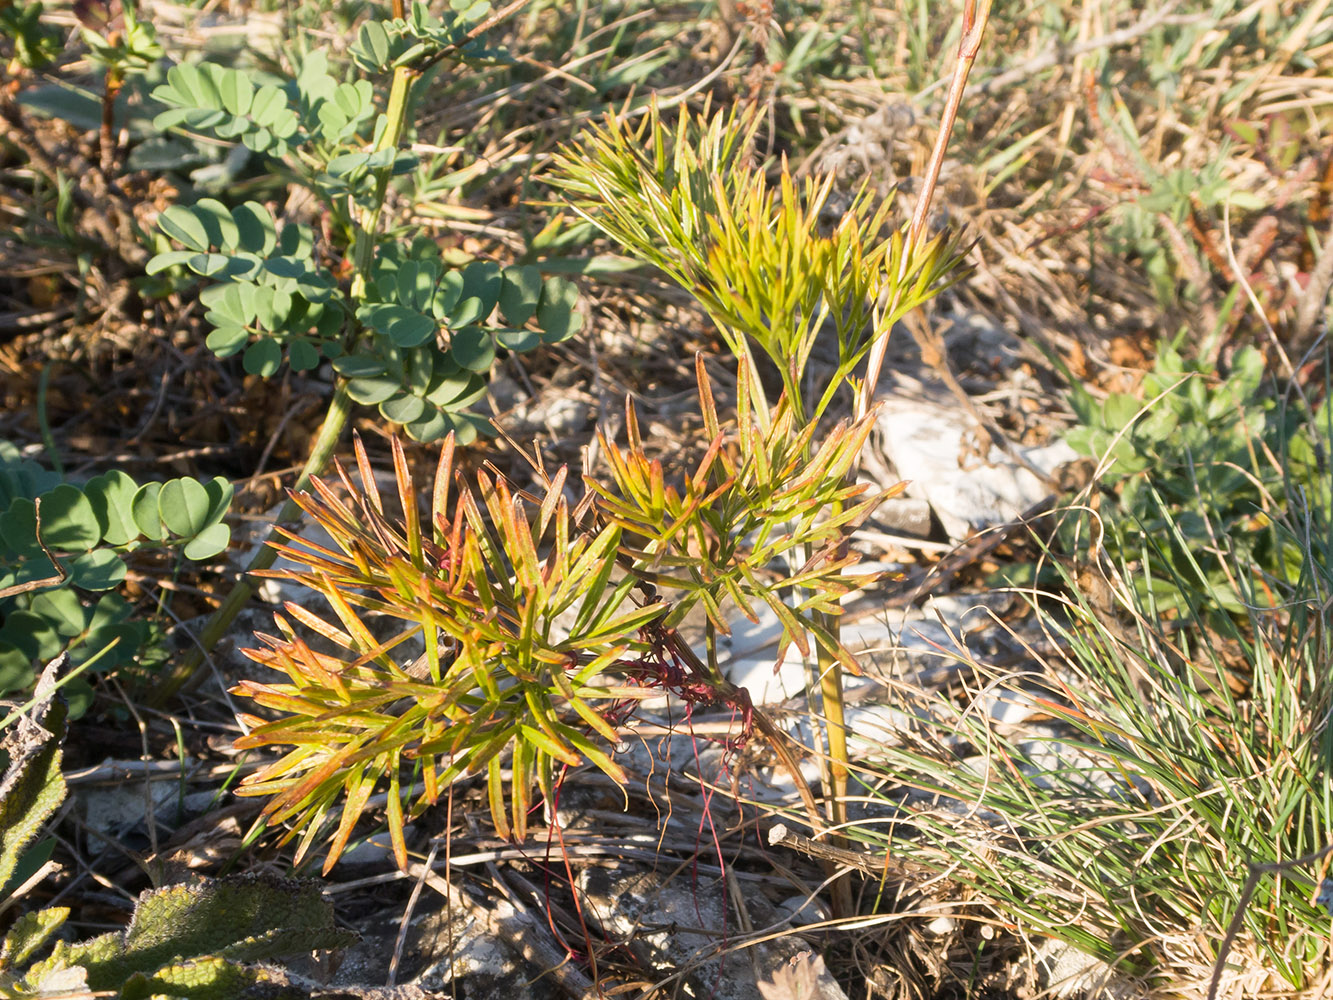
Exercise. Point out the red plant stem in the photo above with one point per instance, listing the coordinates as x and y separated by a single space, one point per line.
777 737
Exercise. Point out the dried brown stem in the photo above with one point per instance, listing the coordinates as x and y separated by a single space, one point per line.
880 866
976 14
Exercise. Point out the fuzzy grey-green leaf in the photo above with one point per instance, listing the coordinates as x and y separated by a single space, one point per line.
32 785
184 226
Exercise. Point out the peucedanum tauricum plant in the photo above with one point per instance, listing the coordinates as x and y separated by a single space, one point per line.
542 624
774 279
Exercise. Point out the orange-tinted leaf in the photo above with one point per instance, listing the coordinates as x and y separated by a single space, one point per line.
369 487
407 497
357 789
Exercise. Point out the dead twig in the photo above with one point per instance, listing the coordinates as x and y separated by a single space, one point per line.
880 866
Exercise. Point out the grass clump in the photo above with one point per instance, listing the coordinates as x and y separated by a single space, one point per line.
1168 752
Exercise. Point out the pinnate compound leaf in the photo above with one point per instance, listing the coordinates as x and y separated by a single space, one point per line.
222 100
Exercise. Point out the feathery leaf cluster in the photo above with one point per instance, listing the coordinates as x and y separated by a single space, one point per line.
758 501
515 641
757 257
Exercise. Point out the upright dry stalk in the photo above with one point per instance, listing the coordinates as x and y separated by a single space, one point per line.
976 14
